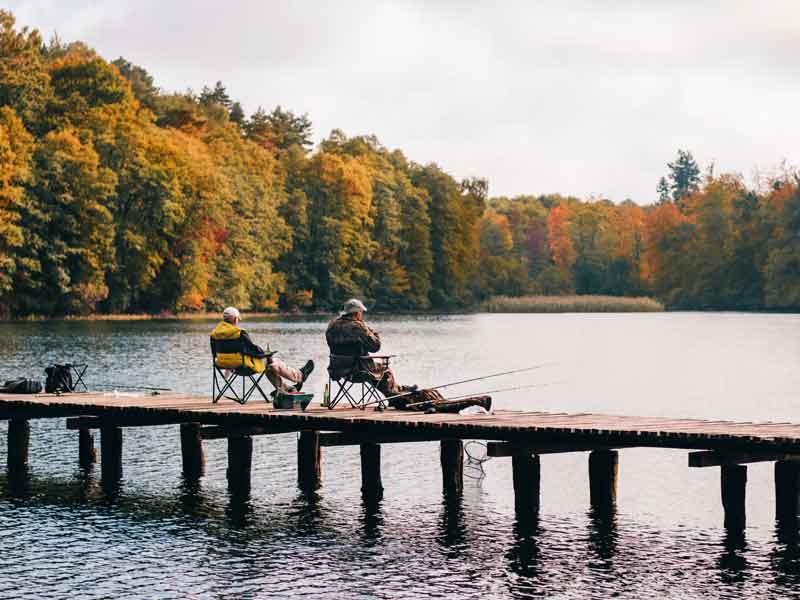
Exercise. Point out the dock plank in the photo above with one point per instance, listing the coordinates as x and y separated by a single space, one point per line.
517 425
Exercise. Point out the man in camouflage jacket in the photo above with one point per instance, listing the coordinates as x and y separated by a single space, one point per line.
349 337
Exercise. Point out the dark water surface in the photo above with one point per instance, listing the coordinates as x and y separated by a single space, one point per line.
63 536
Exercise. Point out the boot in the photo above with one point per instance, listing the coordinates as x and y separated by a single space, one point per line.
306 371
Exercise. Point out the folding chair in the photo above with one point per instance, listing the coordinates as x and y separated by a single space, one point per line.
221 384
78 371
348 373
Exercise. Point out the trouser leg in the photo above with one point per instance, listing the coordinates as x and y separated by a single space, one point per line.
386 383
277 371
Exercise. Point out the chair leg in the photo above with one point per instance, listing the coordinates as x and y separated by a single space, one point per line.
344 392
257 386
229 385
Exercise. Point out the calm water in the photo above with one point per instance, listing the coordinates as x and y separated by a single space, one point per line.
160 537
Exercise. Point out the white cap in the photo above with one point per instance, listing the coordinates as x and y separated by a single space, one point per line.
230 313
353 306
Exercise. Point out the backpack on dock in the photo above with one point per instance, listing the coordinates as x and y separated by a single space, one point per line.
59 379
21 386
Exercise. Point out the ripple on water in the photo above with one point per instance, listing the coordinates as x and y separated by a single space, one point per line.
158 536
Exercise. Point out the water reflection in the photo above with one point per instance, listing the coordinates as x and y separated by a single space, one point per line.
603 534
239 511
185 538
372 521
523 555
785 555
732 563
18 484
307 512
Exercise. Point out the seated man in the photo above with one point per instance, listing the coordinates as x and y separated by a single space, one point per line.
256 359
348 336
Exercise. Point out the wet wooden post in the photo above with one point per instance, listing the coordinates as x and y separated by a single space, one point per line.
603 472
111 454
526 471
192 450
452 459
371 484
787 490
240 462
87 453
733 480
309 460
19 435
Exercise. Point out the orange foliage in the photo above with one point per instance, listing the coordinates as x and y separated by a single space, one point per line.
658 223
561 246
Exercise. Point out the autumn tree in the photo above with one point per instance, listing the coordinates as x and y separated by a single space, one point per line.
684 176
281 129
24 81
16 146
216 95
782 269
70 224
141 82
663 190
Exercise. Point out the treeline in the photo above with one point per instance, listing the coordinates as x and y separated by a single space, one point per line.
118 197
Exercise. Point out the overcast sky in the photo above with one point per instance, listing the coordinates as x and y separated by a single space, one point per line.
582 98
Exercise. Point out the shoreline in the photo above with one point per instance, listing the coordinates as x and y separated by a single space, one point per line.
209 316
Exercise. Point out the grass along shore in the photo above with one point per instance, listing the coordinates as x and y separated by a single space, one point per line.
498 304
564 304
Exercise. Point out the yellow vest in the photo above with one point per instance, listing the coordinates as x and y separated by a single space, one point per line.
225 359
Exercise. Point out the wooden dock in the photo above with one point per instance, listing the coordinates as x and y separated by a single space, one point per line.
522 435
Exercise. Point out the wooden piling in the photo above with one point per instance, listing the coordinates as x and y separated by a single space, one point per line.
19 435
309 460
371 484
787 490
452 459
192 450
87 453
733 480
111 453
240 462
603 472
526 470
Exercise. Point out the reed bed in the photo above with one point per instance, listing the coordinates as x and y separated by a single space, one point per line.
564 304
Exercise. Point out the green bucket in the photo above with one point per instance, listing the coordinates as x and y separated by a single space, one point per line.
292 400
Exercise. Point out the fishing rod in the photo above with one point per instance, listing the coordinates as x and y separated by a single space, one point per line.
497 391
452 383
133 387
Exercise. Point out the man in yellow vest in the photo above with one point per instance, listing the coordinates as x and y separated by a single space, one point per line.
253 357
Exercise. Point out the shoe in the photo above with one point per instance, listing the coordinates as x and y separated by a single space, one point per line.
306 371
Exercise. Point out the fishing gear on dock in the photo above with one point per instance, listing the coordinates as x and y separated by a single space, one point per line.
454 383
501 390
132 387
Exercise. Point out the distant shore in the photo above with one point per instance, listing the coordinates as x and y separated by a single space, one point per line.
499 304
571 304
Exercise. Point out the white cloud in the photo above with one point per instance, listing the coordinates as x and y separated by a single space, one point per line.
580 98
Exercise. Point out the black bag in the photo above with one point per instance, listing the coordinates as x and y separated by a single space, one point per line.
21 386
59 379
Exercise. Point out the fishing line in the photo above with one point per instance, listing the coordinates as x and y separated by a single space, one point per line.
508 389
470 380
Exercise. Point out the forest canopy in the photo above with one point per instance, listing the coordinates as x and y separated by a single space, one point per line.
116 196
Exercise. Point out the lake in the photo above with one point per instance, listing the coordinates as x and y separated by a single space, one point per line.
161 537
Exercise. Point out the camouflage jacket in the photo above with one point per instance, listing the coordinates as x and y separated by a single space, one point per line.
349 337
